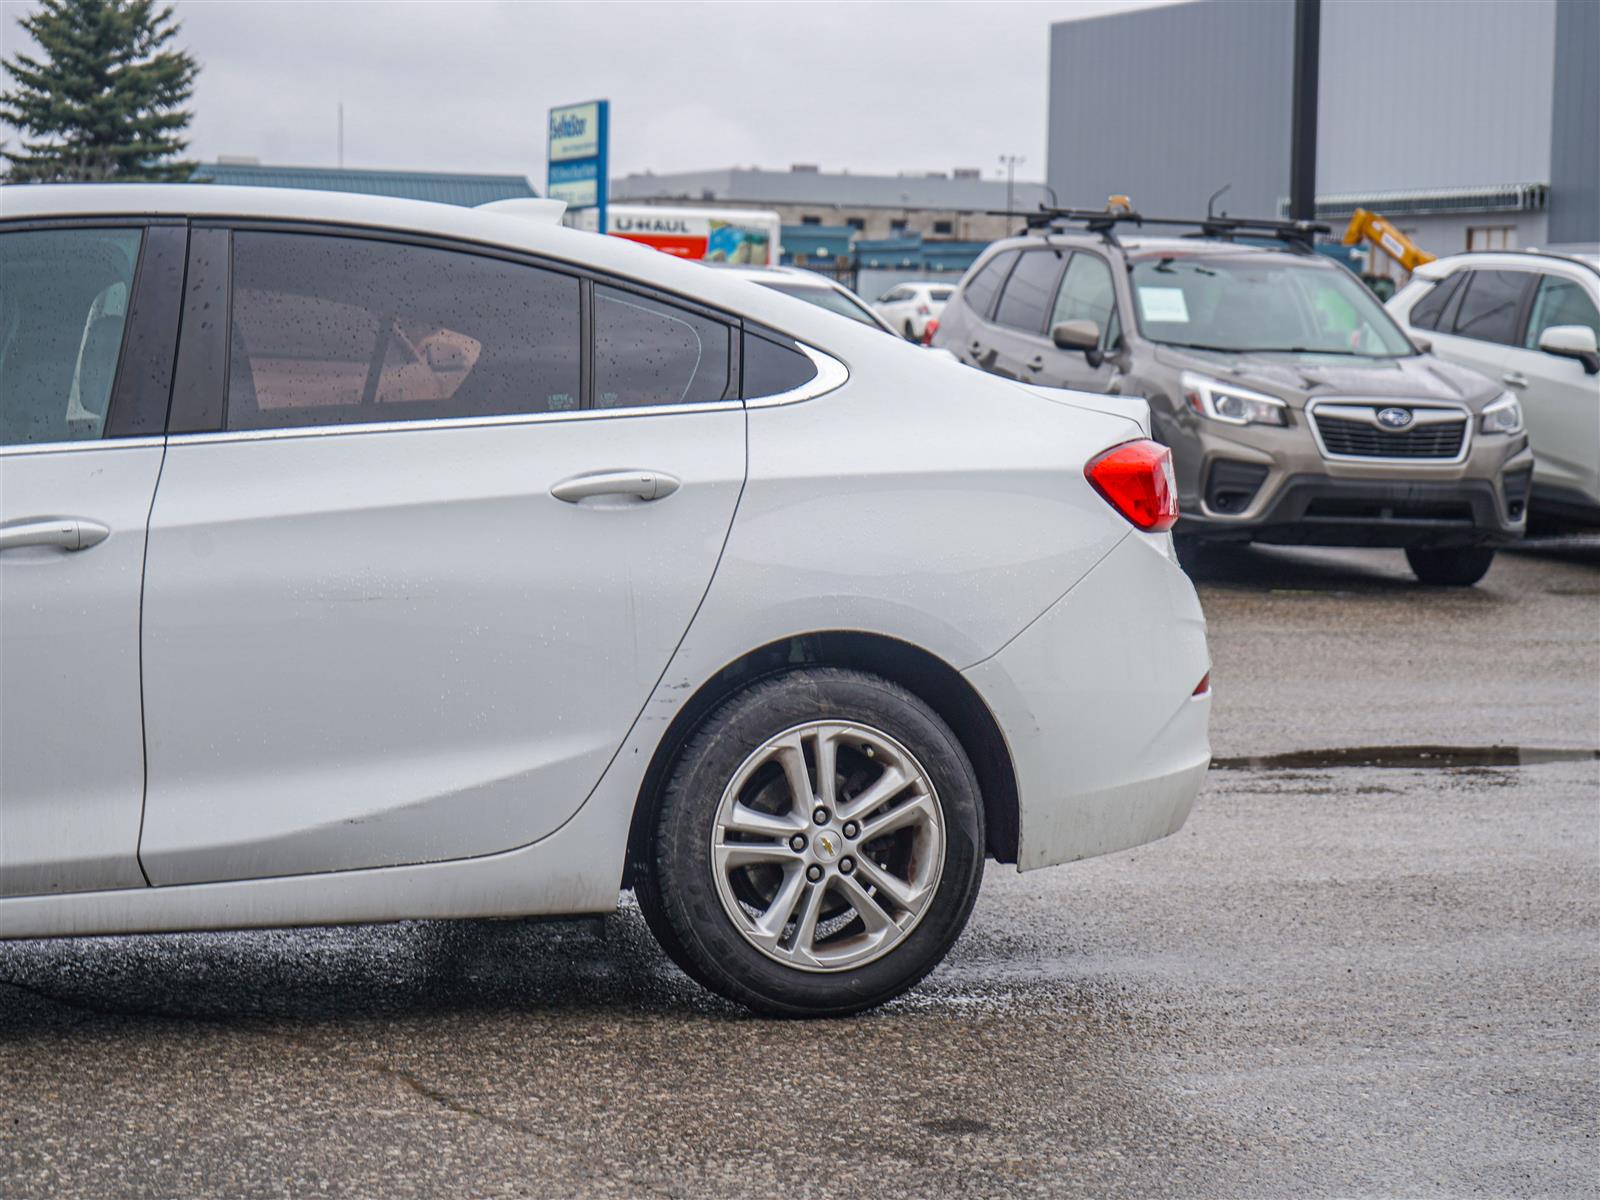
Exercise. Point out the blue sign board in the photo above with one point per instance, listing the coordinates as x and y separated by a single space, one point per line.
577 157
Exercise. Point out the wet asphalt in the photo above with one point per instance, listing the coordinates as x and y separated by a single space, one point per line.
1369 965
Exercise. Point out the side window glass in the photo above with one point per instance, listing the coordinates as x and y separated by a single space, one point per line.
1028 292
1489 309
649 353
63 304
771 367
1086 294
1425 312
1560 302
980 290
334 331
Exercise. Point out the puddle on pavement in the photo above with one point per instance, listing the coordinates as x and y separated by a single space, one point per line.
1405 758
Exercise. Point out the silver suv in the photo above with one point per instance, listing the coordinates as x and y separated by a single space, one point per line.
1296 409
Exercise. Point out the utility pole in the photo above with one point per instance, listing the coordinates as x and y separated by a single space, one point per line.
1303 131
1010 162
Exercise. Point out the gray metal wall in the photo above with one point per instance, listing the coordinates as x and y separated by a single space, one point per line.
1434 93
1575 127
1169 104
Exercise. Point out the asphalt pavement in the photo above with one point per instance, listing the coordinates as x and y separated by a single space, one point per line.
1369 965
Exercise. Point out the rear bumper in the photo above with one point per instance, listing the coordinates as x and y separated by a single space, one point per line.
1108 741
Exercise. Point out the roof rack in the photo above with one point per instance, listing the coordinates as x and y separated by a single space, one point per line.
1297 234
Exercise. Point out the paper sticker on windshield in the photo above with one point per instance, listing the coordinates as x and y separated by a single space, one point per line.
1163 304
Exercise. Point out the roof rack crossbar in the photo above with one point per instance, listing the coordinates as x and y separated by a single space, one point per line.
1104 222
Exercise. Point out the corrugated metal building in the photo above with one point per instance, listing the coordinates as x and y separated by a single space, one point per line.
442 187
1470 123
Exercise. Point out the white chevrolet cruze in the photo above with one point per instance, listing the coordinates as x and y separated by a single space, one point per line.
364 560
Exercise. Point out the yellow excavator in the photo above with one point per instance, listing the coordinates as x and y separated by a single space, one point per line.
1370 227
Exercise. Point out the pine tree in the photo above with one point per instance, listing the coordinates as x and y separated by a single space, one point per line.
104 100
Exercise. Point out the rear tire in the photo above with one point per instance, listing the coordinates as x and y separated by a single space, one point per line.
1454 566
859 916
911 334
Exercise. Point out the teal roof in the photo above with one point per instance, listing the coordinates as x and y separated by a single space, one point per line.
817 241
442 187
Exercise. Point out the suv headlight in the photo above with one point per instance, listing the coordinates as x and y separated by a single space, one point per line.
1503 416
1218 401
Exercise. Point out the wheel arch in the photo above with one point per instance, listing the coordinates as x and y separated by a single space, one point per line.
926 676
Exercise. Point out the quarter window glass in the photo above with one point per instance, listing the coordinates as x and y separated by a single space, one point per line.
648 353
1489 309
1028 292
1425 313
980 290
1086 294
1560 302
770 368
63 303
334 331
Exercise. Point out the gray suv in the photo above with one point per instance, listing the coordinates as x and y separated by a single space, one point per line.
1297 411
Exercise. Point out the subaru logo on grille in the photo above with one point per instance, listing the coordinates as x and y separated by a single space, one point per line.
1394 418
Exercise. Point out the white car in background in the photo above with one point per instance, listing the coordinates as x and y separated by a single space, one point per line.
908 307
809 286
1530 321
364 559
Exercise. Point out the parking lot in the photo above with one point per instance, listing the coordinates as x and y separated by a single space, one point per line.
1338 979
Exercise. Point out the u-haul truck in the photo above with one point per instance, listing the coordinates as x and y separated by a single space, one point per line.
732 235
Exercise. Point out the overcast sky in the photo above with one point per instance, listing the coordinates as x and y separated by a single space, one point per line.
465 86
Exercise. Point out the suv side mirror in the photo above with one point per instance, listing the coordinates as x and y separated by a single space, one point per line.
1423 345
1572 341
1075 335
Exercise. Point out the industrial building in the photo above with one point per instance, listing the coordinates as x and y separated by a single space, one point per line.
1472 124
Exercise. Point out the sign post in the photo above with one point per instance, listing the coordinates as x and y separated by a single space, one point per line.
577 159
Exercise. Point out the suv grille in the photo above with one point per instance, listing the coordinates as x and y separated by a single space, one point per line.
1358 439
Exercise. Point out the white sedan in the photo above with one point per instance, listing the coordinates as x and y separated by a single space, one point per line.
908 307
364 559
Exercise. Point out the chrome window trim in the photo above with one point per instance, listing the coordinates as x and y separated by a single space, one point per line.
831 375
586 414
128 443
1447 411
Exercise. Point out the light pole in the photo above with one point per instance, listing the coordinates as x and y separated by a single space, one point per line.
1011 162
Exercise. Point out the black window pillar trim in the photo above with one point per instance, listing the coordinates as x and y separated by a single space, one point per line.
200 380
142 385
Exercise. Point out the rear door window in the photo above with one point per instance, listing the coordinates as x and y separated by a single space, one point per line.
64 296
1490 309
1030 291
1426 312
332 330
647 353
774 365
980 290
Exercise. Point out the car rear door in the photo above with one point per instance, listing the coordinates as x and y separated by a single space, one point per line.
88 321
432 523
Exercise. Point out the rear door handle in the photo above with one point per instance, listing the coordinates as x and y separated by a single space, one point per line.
642 485
1516 379
69 533
1037 364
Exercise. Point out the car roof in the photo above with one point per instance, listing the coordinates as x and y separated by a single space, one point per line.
1444 264
1141 245
506 228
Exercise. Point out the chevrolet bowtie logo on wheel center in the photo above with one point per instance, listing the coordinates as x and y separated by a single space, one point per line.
827 845
1394 418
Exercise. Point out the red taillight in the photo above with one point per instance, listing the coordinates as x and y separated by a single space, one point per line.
1204 686
928 330
1136 478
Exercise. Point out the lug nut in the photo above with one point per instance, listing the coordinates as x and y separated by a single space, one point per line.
846 865
820 816
814 873
797 843
851 829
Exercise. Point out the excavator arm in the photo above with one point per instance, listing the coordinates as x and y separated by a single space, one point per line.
1370 227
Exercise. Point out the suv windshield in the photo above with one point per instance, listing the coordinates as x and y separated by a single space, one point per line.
1257 303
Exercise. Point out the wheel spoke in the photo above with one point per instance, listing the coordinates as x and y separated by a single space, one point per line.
744 854
792 757
912 812
741 818
828 766
902 893
870 911
771 923
805 934
883 790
